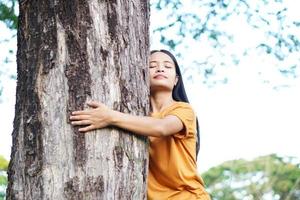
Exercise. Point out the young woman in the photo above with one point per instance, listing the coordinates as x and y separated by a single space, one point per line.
171 129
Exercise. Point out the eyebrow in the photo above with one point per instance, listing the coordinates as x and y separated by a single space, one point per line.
166 61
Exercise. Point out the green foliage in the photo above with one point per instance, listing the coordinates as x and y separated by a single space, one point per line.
3 164
205 20
3 180
262 177
8 14
3 176
8 18
206 24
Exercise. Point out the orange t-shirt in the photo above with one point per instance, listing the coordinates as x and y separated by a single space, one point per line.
172 162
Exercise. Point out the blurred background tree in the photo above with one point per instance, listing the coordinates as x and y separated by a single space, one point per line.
3 176
214 29
8 24
267 177
8 14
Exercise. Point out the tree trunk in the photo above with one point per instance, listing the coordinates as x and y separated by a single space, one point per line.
70 52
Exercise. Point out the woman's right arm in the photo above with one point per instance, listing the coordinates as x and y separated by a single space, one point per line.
147 126
101 116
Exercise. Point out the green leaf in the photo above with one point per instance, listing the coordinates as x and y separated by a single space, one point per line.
8 15
3 164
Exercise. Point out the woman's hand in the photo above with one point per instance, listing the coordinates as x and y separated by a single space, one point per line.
99 116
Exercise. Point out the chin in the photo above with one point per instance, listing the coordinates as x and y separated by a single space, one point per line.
160 87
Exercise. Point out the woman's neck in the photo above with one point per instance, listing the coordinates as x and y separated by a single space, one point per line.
161 100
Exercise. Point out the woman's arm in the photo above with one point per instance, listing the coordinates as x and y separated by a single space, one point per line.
101 116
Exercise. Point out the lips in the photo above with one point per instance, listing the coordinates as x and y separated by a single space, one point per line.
159 76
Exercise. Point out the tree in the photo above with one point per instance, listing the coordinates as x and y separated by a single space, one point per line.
68 53
266 177
217 24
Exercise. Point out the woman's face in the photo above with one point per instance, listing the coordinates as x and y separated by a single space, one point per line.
162 72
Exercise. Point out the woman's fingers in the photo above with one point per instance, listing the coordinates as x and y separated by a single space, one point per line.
79 117
80 112
81 122
94 104
87 128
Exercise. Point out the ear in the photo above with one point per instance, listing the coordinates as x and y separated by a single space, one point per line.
176 79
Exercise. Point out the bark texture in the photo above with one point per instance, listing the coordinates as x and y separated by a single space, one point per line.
70 52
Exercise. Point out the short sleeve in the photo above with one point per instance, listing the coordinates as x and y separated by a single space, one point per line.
186 114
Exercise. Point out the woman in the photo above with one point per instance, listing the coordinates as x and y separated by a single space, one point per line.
171 129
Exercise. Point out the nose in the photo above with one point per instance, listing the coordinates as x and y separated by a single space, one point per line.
160 68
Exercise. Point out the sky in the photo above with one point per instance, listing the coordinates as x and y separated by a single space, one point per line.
244 118
7 99
257 111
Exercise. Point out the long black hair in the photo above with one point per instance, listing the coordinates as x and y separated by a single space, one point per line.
179 93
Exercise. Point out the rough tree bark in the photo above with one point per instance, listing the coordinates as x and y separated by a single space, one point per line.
70 52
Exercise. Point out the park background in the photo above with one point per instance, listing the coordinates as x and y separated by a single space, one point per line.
240 63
